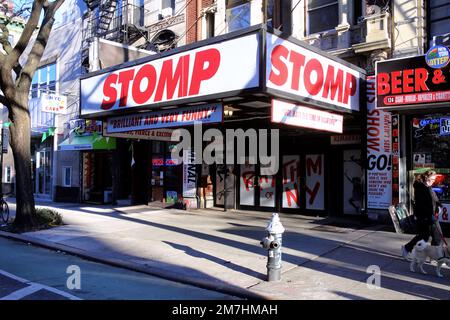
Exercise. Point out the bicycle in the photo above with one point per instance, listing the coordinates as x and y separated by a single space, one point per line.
4 210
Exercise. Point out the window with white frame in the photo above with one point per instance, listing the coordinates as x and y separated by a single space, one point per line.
67 176
322 15
44 80
237 14
7 175
210 24
167 8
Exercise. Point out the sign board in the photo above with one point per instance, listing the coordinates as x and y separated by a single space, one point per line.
410 82
379 161
345 139
189 174
310 76
295 115
444 126
156 134
178 117
53 103
211 69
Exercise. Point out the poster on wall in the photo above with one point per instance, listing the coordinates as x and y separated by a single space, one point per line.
315 185
443 213
267 191
291 194
247 185
189 174
395 159
220 184
353 188
379 148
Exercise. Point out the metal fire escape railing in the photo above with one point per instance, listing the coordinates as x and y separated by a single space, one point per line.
106 13
113 20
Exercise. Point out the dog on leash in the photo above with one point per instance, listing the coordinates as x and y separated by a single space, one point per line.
423 250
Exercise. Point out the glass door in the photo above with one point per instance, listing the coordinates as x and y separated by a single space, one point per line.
43 173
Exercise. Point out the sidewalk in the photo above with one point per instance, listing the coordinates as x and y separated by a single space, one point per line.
219 250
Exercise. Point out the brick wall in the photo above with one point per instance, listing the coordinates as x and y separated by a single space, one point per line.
193 11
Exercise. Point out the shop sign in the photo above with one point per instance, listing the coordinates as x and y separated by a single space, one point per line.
437 57
299 116
445 127
410 82
156 134
158 162
310 76
189 174
315 191
214 69
211 113
345 139
379 166
53 103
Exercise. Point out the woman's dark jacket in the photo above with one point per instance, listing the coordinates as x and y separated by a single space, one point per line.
425 202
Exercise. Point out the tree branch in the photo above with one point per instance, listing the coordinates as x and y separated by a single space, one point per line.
37 51
3 100
25 37
4 41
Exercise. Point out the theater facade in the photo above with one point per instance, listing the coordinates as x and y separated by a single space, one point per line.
252 79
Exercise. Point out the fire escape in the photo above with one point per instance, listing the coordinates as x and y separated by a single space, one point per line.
114 20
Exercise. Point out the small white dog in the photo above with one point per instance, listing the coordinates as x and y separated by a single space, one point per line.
423 250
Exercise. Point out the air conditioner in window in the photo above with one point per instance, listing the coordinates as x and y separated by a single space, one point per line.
166 12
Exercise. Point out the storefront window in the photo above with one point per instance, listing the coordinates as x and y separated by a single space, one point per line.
431 150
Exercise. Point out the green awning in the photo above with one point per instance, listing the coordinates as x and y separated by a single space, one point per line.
88 143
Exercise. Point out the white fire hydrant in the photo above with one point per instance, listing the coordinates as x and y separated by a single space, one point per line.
272 242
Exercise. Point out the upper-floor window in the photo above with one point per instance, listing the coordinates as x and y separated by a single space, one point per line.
167 8
210 24
322 15
274 13
238 14
439 17
44 80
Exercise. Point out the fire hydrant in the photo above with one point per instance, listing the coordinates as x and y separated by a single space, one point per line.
272 242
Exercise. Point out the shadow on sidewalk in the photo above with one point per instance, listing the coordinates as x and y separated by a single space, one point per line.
198 254
341 263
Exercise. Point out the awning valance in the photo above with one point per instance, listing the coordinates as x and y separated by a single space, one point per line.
87 143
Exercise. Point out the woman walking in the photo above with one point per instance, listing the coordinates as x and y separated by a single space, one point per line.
426 204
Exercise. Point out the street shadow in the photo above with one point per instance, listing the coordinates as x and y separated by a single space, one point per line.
347 262
201 255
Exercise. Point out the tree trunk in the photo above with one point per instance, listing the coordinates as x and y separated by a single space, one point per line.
20 144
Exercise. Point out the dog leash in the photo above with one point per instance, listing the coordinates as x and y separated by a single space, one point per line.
438 227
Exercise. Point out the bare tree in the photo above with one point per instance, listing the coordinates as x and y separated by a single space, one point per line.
15 82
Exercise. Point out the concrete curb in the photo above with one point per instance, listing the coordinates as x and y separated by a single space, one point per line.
226 289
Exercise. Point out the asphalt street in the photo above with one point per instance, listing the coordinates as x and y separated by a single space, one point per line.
28 272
